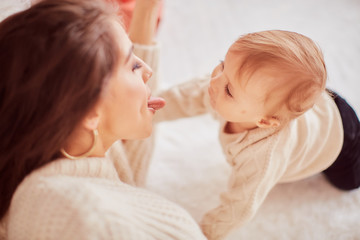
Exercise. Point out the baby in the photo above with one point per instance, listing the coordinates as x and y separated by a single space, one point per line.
278 122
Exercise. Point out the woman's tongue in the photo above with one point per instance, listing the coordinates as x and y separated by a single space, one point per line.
156 103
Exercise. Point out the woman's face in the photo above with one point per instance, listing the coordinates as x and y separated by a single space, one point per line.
124 109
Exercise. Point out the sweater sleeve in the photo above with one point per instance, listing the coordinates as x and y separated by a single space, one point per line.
254 174
185 100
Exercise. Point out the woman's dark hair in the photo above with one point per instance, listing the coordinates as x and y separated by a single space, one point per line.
55 59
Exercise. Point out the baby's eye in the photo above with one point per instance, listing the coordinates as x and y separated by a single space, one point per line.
136 65
227 91
222 64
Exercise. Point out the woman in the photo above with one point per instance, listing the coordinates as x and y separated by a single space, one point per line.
71 86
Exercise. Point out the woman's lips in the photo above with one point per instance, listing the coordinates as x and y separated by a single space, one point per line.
155 103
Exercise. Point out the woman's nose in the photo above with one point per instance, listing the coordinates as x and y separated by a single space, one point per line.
147 73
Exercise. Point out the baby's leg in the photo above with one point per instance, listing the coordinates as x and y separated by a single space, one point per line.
344 173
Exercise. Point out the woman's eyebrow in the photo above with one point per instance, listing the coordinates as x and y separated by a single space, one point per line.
129 54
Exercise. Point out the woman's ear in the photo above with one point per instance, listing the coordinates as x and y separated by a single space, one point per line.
91 121
268 122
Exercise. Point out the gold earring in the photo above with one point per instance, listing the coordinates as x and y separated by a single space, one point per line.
95 134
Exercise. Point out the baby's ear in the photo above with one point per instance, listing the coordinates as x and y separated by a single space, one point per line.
268 122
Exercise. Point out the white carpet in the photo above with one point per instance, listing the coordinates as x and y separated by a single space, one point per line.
188 166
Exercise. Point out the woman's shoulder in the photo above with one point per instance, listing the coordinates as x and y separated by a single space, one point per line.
53 206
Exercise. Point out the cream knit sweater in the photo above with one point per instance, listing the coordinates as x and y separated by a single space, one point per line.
85 199
260 158
89 198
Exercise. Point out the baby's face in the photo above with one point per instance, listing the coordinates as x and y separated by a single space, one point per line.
236 99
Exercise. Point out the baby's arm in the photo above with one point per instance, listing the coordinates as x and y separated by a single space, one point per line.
254 174
185 100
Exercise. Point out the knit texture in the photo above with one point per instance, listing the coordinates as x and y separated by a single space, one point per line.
260 158
84 199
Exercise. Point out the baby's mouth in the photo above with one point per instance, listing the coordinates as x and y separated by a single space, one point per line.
156 103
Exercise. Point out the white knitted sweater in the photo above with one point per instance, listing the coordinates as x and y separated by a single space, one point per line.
92 198
260 158
85 199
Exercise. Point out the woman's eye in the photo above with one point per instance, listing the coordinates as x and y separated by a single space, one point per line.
136 66
227 91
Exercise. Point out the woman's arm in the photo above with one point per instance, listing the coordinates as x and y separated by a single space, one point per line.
144 21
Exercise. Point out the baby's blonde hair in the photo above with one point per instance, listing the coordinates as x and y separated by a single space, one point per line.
294 58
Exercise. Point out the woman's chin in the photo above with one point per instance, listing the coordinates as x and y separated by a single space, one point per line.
145 133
